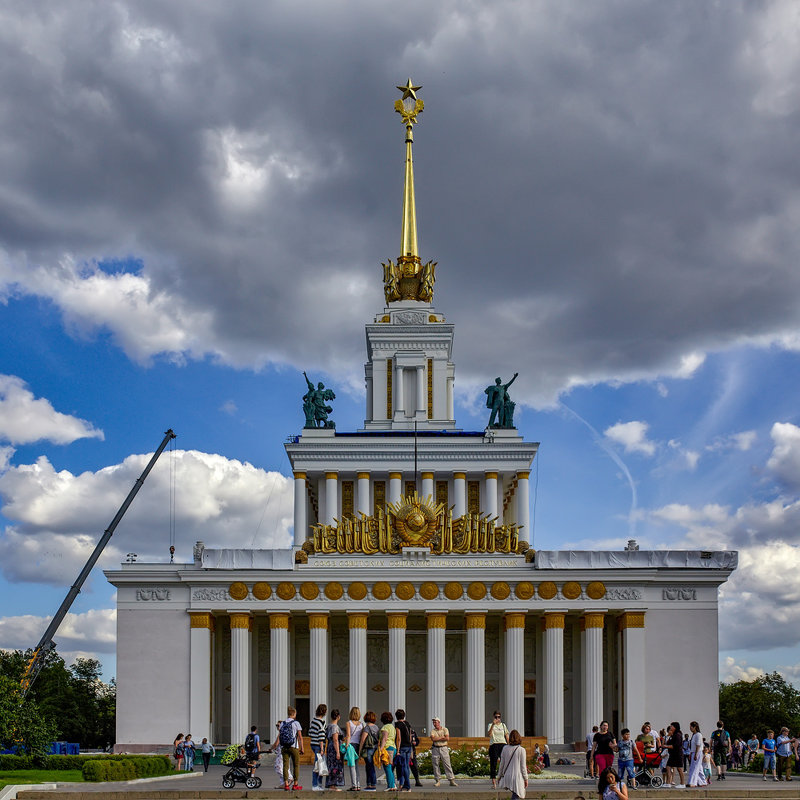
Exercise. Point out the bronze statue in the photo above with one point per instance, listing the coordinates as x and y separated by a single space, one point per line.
501 404
314 405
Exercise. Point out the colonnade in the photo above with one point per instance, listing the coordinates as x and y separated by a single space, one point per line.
550 673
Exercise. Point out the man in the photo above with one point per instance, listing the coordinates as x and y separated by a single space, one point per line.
290 738
589 771
405 750
751 749
252 748
768 746
783 750
440 752
721 749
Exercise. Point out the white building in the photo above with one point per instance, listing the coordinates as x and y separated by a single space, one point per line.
411 582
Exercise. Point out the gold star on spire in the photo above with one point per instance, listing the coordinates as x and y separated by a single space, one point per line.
409 90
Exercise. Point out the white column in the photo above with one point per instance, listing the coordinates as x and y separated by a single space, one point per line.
523 507
278 668
300 516
427 485
490 494
399 392
363 494
357 622
459 494
593 622
515 671
201 632
475 700
500 515
633 656
421 387
450 397
397 660
240 675
331 497
437 623
554 677
395 490
318 658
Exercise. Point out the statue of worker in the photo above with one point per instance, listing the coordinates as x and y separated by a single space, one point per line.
314 405
501 404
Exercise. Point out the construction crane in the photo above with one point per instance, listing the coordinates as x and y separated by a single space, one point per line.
46 644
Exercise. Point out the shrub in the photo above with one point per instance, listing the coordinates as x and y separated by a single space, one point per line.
52 762
464 761
125 768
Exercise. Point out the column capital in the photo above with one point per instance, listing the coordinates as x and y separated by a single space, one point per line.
278 620
491 475
426 476
630 619
299 476
331 476
396 619
362 476
395 476
460 476
593 619
523 475
514 619
201 619
553 619
240 619
357 619
475 619
318 619
437 619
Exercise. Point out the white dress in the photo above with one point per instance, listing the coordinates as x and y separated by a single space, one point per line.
696 777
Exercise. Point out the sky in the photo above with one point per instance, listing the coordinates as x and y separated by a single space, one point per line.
195 200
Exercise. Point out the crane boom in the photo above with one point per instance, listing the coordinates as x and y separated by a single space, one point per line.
36 660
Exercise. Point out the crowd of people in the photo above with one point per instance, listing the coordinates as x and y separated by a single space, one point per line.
185 750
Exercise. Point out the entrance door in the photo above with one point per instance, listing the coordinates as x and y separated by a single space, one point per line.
303 712
530 716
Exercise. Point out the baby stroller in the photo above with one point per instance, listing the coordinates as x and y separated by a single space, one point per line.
239 772
647 767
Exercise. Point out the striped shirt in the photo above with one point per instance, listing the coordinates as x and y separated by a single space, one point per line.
316 731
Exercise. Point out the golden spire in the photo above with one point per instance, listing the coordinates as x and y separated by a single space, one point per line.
408 106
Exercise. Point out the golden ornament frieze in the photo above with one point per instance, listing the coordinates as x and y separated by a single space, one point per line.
474 621
437 620
238 590
596 590
594 619
381 591
201 619
630 619
262 591
309 590
396 620
515 619
240 620
476 590
318 621
286 590
453 590
357 620
279 621
404 590
554 619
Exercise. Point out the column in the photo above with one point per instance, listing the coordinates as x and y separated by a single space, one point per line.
475 700
427 485
421 387
363 506
357 622
450 398
515 671
331 497
278 668
395 491
300 516
397 659
240 674
631 624
554 677
523 507
437 623
459 494
399 392
318 661
593 622
490 494
200 637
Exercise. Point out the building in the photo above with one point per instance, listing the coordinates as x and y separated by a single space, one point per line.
411 581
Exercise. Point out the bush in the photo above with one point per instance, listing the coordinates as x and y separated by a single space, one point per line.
464 761
126 768
53 762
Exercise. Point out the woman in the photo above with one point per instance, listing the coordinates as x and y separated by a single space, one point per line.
603 747
316 735
368 743
353 738
334 739
177 751
513 772
188 753
675 758
207 750
388 735
609 786
696 777
498 739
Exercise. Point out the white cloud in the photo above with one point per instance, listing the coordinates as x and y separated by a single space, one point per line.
785 458
25 418
92 631
229 407
632 436
732 671
742 441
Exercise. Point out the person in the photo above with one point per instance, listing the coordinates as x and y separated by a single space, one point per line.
687 752
513 770
497 399
498 739
589 743
316 738
546 756
674 745
648 739
334 739
696 777
276 748
290 736
188 753
751 749
404 750
625 758
177 751
388 742
370 735
206 750
708 762
721 748
603 747
440 752
736 754
252 748
783 751
610 787
768 746
352 737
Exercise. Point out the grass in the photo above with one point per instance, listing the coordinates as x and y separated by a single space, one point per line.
10 777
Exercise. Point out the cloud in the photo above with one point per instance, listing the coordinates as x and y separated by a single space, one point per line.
732 671
785 458
229 407
632 436
89 632
25 418
57 517
742 441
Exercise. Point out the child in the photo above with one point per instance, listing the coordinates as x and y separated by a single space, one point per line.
707 764
625 758
609 787
769 754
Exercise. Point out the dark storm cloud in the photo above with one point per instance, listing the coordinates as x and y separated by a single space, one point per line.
607 187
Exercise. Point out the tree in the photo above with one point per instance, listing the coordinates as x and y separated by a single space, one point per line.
22 725
768 702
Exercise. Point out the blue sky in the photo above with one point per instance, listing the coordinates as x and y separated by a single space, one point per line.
195 203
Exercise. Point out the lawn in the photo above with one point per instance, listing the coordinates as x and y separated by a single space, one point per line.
9 777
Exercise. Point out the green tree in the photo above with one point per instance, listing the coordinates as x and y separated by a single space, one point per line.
22 724
756 706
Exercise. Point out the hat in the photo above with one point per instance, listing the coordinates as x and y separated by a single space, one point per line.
435 719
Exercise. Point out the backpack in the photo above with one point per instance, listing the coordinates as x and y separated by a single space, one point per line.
719 739
250 744
371 740
286 735
414 738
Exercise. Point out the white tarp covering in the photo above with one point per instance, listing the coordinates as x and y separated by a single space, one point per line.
248 559
636 559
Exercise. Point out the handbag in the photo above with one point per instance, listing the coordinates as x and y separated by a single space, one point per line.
320 767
